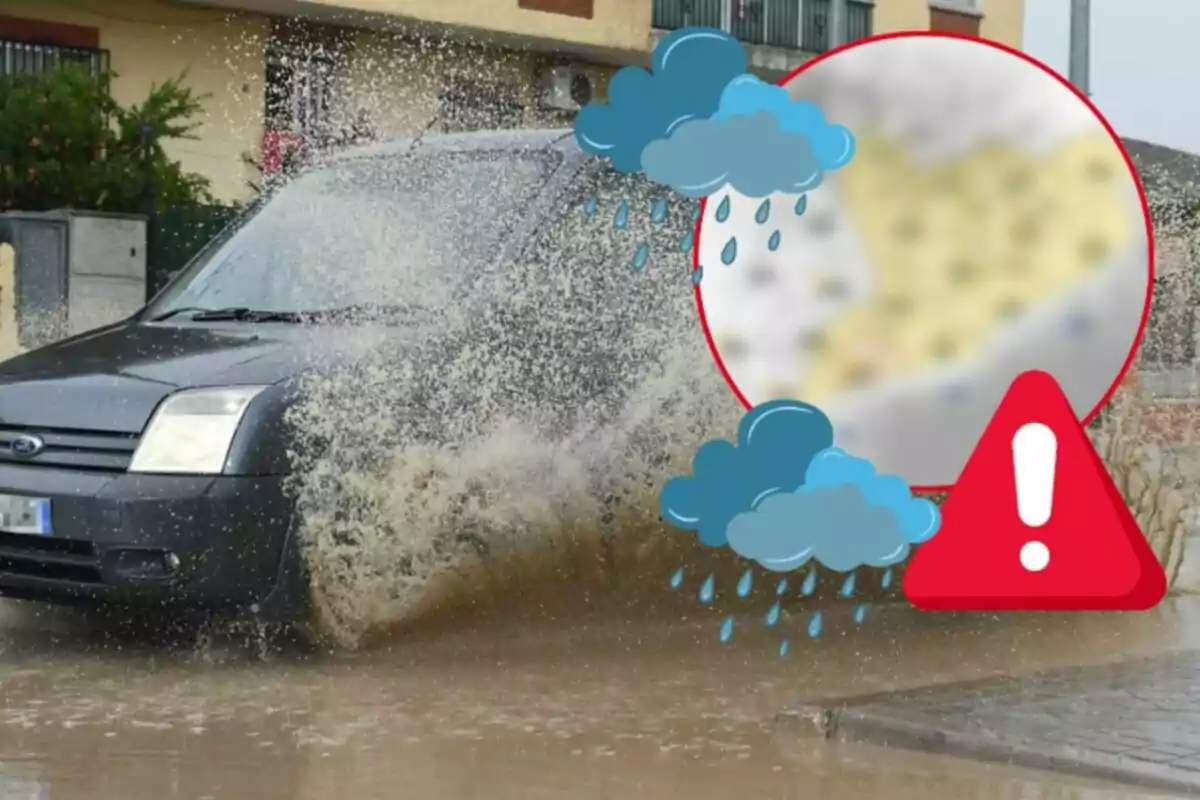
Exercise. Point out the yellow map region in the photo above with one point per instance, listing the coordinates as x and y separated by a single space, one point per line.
961 248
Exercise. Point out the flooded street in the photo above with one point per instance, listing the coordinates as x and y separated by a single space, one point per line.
413 324
521 708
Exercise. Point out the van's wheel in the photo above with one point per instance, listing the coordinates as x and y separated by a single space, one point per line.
293 605
302 600
324 626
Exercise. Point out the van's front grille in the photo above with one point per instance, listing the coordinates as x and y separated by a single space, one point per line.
102 451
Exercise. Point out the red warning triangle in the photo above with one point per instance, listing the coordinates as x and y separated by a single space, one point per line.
1092 554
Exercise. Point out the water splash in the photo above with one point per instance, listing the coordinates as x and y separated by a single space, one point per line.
641 257
726 631
773 614
677 578
814 624
764 212
708 590
848 585
860 614
810 583
621 218
729 253
802 204
697 275
376 489
782 587
723 209
589 208
773 242
685 244
886 580
784 647
745 584
658 211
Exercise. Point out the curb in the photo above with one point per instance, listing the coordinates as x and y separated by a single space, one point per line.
867 720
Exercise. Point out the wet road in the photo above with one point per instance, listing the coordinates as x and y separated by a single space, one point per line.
518 709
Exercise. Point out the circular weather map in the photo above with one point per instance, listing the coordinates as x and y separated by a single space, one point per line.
988 224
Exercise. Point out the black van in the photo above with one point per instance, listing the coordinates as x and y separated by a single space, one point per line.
146 461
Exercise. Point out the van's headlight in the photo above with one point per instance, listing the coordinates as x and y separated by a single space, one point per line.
191 431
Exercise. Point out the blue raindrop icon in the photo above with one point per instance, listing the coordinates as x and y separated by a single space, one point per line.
621 218
764 212
781 587
773 242
696 211
848 585
677 578
745 584
802 204
810 583
860 614
658 211
886 580
773 614
685 244
729 253
726 632
589 208
784 647
641 257
708 590
723 209
697 275
814 625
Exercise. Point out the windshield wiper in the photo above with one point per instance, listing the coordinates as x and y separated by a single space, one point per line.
235 313
360 311
174 311
348 313
241 314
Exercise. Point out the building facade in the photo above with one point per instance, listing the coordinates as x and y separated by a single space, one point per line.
274 71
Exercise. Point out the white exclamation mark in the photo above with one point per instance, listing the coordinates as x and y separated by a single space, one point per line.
1035 451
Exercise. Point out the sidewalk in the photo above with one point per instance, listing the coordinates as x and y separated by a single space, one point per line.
1137 722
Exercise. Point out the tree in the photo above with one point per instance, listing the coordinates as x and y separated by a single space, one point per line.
66 143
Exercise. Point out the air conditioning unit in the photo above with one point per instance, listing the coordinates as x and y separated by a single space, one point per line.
567 88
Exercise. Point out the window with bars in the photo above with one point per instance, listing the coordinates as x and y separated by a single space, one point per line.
297 93
793 24
26 58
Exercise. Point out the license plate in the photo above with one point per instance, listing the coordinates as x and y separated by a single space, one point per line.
29 515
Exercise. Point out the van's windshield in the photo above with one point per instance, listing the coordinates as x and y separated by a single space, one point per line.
398 231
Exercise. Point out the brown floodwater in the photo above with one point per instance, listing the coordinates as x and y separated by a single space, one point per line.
591 705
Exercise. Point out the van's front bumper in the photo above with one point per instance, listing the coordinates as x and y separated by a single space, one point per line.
200 542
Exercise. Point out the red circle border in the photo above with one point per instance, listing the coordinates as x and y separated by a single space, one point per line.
1149 224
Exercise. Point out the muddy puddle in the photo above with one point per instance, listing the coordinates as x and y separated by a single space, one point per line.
600 705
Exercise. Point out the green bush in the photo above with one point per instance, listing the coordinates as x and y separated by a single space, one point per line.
66 143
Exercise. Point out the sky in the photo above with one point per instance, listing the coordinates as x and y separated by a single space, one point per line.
1144 56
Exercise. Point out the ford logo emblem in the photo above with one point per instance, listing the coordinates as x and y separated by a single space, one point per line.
25 446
